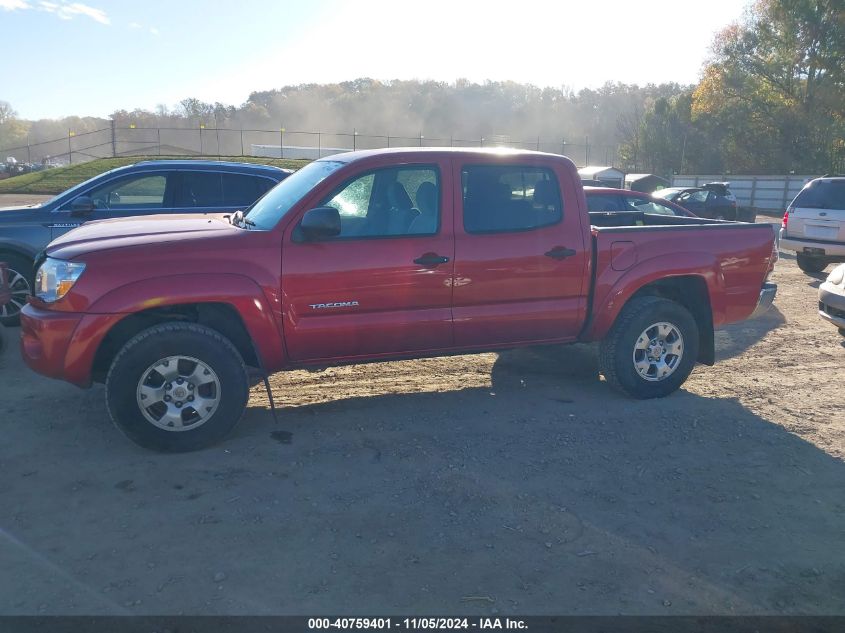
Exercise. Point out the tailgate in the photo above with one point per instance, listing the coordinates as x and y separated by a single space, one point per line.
817 224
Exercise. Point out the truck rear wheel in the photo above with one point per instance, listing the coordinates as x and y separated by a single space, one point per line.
177 387
651 349
810 264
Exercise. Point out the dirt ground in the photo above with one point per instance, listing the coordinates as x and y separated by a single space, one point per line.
514 483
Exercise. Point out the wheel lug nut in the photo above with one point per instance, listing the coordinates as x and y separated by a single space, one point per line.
179 381
167 398
178 403
190 398
169 386
191 386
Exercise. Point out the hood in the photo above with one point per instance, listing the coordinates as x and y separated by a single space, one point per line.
102 235
20 214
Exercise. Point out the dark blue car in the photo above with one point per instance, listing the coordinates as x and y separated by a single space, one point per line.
152 187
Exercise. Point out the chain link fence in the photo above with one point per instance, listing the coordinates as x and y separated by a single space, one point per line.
200 141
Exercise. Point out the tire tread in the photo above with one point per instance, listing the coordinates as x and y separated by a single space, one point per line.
619 335
171 327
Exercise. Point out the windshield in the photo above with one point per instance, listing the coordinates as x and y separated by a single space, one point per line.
267 212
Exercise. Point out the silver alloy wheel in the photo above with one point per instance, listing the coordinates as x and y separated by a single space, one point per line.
19 286
658 351
178 393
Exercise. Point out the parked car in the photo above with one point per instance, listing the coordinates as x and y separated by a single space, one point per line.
379 255
622 203
142 189
814 224
713 200
832 298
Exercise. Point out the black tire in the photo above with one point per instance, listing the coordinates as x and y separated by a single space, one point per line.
2 338
810 264
163 341
616 352
10 313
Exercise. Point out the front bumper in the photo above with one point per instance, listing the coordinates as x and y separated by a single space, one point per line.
834 250
45 337
767 297
832 304
63 344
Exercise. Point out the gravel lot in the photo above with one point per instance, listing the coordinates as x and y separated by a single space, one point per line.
513 483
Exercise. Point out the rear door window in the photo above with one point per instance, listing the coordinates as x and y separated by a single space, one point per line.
505 198
698 196
241 190
201 189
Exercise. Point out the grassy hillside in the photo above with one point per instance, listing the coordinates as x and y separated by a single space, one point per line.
56 180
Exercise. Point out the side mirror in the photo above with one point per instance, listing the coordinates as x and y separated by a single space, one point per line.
82 205
320 223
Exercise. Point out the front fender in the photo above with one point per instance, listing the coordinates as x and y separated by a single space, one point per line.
614 289
241 293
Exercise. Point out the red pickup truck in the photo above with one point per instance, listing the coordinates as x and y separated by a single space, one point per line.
379 255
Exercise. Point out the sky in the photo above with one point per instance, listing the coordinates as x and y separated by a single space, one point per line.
95 57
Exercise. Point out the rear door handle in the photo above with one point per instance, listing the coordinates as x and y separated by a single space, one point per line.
560 252
431 259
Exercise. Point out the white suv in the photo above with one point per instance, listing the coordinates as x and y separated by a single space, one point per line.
814 224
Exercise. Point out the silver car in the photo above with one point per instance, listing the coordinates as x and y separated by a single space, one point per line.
814 224
832 298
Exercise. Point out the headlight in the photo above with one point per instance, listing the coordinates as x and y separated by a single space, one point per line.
837 275
55 278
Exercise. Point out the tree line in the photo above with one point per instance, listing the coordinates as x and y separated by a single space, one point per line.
771 99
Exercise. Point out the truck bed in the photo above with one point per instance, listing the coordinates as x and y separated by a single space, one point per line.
732 259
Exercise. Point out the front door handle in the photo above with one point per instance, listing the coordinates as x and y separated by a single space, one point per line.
431 259
560 252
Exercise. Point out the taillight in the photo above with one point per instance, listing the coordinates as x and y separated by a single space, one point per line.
773 258
785 220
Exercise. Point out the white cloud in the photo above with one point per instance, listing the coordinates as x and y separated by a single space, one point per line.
14 5
154 31
134 25
69 10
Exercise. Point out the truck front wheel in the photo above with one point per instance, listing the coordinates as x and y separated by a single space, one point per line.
651 349
177 387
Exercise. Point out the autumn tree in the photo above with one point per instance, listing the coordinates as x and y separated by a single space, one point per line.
12 130
773 94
